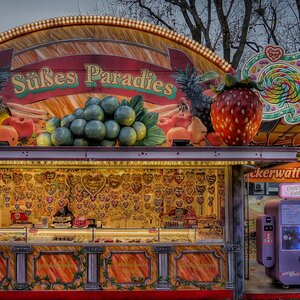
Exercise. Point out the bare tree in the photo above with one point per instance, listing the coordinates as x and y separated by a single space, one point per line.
232 28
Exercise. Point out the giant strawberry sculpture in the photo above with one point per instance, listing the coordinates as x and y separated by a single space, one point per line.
236 111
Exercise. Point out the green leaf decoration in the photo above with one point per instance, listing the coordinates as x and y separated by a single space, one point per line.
137 103
124 102
232 82
210 75
155 136
140 114
149 119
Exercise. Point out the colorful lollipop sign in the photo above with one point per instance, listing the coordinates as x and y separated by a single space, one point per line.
279 74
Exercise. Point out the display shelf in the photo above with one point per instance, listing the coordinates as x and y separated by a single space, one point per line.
114 236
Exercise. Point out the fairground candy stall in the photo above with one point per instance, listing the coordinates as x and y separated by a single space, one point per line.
115 168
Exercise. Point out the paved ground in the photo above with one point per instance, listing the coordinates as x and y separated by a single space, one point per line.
258 282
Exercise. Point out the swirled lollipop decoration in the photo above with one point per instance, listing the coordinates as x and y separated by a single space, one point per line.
281 84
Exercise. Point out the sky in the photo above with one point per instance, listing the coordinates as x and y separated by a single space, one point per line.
14 13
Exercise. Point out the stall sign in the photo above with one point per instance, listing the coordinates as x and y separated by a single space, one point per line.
289 190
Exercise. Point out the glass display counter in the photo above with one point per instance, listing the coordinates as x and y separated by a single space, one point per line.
104 235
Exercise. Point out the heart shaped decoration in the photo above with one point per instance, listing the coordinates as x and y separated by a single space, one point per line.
136 199
62 187
106 205
79 198
167 179
211 190
158 193
126 186
50 188
211 179
158 202
101 215
147 198
200 200
136 207
148 178
50 176
71 198
30 186
17 178
114 195
221 176
274 53
178 191
39 189
102 198
200 189
71 180
200 176
168 190
136 187
168 199
178 177
6 178
79 205
157 177
85 212
210 201
29 195
39 178
115 203
40 205
28 204
61 203
189 200
93 183
126 177
61 178
157 209
136 177
106 188
147 189
92 206
6 189
107 199
125 204
190 175
114 180
147 205
17 206
126 196
27 213
27 177
7 204
39 197
49 209
49 199
190 191
179 203
101 206
7 198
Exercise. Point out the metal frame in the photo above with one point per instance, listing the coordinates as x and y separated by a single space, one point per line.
153 153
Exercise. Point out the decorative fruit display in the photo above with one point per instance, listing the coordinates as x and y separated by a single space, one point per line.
193 84
236 112
105 122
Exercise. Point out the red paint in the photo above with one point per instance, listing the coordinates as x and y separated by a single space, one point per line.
117 295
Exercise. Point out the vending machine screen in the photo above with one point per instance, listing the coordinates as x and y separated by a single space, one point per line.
290 214
290 237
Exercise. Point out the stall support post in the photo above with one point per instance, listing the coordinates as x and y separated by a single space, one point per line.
21 253
93 267
238 231
163 266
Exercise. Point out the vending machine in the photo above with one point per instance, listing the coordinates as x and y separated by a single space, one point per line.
278 241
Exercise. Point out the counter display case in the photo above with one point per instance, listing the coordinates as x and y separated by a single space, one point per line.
11 235
103 235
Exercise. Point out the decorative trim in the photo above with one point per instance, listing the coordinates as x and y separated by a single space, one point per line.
117 22
198 251
93 250
21 249
163 249
127 252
